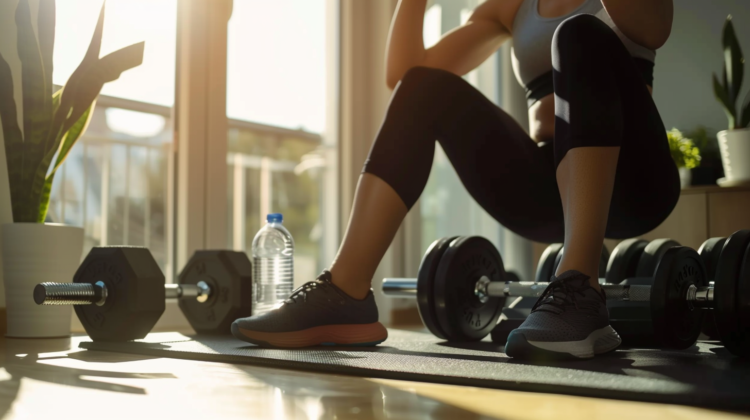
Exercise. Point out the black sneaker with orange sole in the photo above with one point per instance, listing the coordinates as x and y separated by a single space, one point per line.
316 314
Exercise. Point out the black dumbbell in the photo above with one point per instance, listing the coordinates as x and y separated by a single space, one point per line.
710 251
119 292
469 289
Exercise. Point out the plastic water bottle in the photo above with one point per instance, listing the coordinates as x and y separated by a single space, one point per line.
273 264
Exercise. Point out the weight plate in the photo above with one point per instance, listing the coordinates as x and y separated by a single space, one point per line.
743 302
426 283
710 251
675 324
135 297
229 274
725 291
547 263
623 263
462 316
651 256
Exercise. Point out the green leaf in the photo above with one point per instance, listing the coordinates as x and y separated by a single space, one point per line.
37 112
745 120
69 140
733 60
81 98
67 101
721 96
36 104
13 140
71 137
46 29
107 69
44 200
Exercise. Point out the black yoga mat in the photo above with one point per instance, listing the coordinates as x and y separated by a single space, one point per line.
703 375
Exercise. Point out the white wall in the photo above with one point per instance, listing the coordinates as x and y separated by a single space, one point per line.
682 78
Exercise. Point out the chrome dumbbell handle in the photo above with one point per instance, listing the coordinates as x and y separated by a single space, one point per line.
70 293
88 294
700 297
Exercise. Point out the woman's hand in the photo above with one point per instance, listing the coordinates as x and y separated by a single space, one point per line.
458 51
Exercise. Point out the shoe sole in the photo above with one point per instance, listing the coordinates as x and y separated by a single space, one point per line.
600 341
324 335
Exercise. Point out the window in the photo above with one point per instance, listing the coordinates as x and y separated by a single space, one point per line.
279 152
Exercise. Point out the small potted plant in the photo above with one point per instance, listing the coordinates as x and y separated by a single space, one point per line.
734 143
710 168
51 123
685 155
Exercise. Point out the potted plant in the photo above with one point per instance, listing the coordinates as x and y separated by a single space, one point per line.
685 155
52 122
734 143
710 168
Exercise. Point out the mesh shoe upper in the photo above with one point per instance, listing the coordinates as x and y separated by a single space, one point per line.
313 304
568 310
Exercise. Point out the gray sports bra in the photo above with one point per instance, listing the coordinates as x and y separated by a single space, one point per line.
532 47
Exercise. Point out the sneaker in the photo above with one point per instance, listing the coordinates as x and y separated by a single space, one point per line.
570 320
316 313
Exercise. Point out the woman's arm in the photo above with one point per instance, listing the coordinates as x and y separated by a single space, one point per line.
458 51
645 22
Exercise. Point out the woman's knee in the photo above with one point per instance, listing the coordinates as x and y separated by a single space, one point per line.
582 33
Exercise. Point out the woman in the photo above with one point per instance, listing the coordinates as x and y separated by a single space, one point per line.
596 162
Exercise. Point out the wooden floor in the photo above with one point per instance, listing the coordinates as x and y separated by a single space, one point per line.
52 378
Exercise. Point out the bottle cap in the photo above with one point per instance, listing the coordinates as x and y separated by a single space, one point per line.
274 218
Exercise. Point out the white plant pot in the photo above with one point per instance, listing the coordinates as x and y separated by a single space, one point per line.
686 177
34 253
734 146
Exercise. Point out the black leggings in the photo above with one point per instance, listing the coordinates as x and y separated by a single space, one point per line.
600 100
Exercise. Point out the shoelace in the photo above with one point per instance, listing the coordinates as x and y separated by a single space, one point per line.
301 292
561 294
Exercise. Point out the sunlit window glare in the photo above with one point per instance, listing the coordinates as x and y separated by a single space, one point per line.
276 63
136 124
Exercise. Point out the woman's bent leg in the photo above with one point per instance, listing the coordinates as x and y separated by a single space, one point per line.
602 109
501 167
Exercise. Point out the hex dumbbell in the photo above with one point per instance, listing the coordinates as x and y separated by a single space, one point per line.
119 293
466 289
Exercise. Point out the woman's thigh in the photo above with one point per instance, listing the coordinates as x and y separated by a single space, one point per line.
503 169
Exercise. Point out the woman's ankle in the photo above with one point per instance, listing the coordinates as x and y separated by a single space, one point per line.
348 284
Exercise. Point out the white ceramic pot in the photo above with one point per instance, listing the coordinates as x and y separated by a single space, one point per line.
686 177
34 253
734 146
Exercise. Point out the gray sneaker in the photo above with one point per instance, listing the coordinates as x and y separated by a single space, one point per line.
570 319
316 313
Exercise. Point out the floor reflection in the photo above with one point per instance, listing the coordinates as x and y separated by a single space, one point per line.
57 371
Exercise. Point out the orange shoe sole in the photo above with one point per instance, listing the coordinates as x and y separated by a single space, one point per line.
324 335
